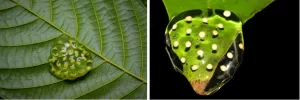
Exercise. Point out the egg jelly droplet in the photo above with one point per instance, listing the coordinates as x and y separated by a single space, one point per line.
63 66
214 49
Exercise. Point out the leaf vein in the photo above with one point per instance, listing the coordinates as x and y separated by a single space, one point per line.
19 24
103 84
76 19
124 54
141 39
99 29
8 7
50 10
132 90
31 4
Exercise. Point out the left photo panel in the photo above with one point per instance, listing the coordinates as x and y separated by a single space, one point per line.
73 49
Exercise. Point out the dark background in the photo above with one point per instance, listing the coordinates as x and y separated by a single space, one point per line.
270 67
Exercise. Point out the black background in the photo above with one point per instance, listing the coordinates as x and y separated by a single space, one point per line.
270 67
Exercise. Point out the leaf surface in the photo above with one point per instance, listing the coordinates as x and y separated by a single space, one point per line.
245 9
114 31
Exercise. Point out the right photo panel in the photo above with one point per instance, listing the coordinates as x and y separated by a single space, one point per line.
223 49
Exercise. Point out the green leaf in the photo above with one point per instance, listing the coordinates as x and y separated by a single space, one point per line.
144 2
202 39
114 31
245 9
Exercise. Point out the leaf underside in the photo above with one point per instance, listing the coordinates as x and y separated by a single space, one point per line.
245 9
113 31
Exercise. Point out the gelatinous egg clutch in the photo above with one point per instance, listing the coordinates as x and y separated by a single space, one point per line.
206 46
69 60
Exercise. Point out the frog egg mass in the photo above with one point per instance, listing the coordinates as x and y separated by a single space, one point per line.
68 64
212 47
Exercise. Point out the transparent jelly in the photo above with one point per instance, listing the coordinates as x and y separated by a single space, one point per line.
69 60
206 46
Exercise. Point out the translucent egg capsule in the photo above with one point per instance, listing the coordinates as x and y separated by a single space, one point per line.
206 46
69 59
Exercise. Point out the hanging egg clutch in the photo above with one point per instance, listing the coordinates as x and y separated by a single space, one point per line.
206 46
69 60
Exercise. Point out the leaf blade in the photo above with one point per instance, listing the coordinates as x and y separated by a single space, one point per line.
24 56
65 89
72 18
175 7
6 4
32 76
32 33
118 88
70 35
